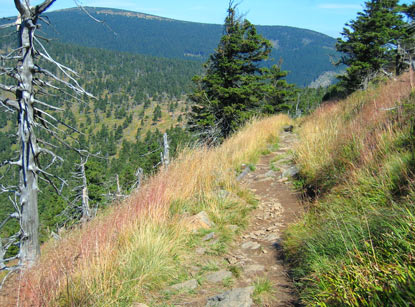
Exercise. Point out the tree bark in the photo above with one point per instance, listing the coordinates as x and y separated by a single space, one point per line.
166 151
86 210
29 249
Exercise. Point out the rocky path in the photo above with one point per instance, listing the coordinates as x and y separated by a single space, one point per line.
278 207
258 250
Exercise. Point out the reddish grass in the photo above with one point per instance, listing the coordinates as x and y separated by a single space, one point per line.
358 121
95 248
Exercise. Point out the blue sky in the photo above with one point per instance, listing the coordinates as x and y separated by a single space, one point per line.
326 16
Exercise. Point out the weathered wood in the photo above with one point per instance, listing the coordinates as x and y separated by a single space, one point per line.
29 223
166 153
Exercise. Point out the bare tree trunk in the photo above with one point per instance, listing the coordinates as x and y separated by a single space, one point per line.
139 175
166 153
29 250
119 195
86 210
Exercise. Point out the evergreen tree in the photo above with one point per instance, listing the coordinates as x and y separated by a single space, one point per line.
281 94
235 84
370 42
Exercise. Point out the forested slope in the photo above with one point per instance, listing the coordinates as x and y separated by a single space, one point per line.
138 98
305 53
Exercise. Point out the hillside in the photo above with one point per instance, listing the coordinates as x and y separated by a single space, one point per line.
132 251
355 246
138 98
306 54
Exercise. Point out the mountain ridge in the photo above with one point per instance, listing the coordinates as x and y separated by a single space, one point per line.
305 53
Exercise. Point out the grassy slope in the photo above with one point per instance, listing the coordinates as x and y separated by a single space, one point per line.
133 250
356 244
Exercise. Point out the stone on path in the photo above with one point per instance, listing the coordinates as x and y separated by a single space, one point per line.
291 172
250 245
253 268
218 276
270 174
190 285
240 297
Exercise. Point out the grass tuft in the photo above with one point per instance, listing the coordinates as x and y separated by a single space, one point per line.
134 250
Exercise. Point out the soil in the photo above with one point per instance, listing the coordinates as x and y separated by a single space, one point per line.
279 206
258 251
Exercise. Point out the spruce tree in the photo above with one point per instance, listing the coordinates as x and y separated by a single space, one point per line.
369 43
236 82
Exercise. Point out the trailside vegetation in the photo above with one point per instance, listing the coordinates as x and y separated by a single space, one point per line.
355 246
133 251
236 85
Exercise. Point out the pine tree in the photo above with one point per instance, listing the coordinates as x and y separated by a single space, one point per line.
281 95
236 82
370 42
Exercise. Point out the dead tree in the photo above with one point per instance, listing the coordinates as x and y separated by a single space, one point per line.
31 83
139 174
165 155
81 192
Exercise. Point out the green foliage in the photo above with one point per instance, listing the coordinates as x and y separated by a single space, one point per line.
236 86
355 246
370 42
306 53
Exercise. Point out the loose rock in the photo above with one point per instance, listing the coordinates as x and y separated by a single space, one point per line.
199 221
209 236
218 276
251 245
291 172
190 284
240 297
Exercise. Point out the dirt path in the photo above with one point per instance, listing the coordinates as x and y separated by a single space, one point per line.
257 252
278 207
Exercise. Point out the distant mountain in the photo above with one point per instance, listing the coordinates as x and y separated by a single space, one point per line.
305 53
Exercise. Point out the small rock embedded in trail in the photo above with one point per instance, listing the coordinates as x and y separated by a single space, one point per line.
251 245
190 284
240 297
218 276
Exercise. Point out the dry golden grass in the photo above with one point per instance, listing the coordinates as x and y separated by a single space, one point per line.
137 246
329 128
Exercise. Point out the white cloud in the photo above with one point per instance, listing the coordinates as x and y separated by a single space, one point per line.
335 6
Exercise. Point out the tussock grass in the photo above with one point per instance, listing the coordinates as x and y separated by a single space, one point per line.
355 246
139 247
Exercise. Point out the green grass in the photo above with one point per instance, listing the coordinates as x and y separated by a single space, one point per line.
356 244
263 291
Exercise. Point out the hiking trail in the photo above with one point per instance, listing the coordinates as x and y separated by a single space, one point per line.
258 249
